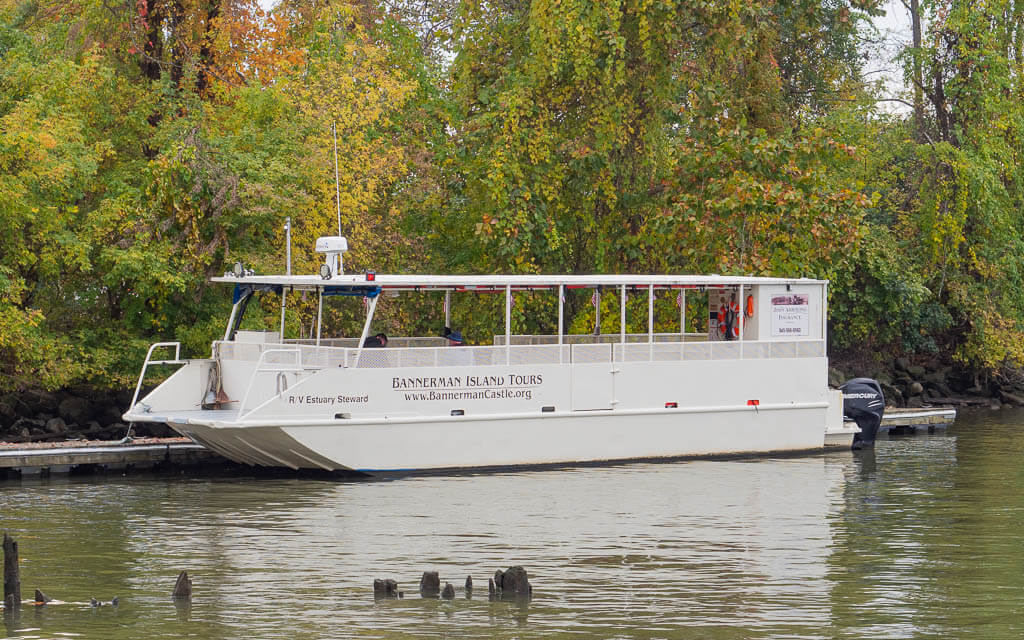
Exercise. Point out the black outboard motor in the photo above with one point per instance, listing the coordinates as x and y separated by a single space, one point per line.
863 403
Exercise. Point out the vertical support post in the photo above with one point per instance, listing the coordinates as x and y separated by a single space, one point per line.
622 314
231 321
650 313
508 323
824 317
682 315
743 319
284 301
319 313
650 322
12 578
447 308
597 311
561 319
366 328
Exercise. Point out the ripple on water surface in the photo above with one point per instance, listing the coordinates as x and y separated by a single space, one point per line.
920 538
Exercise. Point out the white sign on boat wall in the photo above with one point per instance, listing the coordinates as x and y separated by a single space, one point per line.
790 314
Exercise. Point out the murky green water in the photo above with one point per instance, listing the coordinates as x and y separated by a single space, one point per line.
922 538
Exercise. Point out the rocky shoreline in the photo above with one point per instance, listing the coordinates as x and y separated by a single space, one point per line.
70 414
45 416
910 385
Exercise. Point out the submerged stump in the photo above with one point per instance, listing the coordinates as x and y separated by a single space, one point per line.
385 588
513 583
182 587
430 584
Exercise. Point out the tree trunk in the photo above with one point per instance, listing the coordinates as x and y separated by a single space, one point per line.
206 49
915 20
153 47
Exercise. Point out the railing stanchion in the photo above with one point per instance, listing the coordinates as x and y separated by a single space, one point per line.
146 363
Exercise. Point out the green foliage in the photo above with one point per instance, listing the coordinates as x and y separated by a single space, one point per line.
884 301
145 146
561 128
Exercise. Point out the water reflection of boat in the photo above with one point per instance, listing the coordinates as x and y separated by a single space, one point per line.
751 380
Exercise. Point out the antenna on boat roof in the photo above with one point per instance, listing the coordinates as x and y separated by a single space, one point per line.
288 244
337 186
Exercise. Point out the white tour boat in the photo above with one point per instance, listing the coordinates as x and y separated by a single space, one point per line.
753 382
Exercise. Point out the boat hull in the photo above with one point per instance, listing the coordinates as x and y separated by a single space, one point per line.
410 445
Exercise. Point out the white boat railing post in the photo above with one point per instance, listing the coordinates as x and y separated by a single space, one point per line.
319 312
622 315
561 319
146 363
448 308
682 315
508 324
743 313
366 328
650 321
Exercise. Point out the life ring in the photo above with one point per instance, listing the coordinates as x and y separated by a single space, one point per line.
750 306
728 320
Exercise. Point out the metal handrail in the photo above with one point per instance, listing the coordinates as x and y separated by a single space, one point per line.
145 365
259 369
715 350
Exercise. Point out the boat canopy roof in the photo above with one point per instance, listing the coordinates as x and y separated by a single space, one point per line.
362 282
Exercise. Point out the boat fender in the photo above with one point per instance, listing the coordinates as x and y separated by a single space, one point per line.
750 306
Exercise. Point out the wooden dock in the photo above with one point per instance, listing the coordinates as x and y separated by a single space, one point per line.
83 456
904 420
923 417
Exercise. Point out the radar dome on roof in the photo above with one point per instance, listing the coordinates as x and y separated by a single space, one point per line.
334 247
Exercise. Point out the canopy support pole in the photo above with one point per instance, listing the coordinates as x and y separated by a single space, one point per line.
231 321
508 323
650 313
366 329
682 315
650 321
561 319
622 314
284 300
743 314
319 313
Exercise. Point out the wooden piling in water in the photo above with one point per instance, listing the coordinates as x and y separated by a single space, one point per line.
182 587
12 578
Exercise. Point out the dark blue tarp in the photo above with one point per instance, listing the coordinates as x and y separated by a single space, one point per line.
243 290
